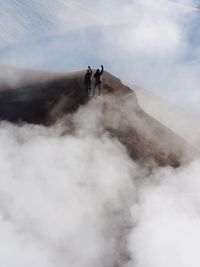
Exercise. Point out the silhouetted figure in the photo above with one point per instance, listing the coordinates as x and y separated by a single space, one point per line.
97 77
87 80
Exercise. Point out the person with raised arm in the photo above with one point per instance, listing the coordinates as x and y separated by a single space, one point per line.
98 81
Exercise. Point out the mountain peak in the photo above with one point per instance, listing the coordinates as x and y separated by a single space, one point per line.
43 98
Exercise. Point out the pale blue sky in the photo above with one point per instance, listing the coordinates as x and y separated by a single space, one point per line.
152 43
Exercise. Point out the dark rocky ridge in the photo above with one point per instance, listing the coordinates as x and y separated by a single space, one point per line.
42 98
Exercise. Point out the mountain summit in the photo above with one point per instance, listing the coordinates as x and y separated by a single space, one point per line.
39 97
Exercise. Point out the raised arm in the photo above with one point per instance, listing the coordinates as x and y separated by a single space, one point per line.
102 69
90 69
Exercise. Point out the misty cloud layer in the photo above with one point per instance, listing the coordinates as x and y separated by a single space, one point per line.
63 199
79 200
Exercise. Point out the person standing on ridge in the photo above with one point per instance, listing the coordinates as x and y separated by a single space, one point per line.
97 77
87 80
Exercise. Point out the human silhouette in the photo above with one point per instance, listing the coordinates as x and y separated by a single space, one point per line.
87 80
97 77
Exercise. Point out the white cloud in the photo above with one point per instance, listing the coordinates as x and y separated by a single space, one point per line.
78 200
167 218
62 198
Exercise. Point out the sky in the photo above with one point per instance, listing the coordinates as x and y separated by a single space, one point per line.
154 44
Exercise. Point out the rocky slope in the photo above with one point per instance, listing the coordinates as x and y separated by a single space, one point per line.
43 98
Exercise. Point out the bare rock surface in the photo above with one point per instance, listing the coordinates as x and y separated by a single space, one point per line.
39 97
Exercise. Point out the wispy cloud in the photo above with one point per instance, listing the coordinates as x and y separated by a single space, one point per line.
154 44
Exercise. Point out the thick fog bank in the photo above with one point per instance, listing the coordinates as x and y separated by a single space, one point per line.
77 199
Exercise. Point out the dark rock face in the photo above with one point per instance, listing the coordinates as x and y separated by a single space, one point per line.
33 103
34 100
42 98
